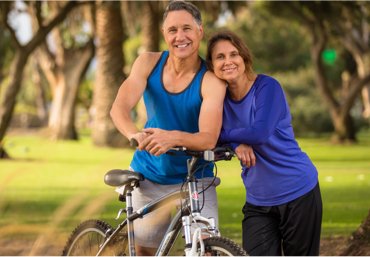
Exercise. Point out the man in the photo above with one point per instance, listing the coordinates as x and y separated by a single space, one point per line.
184 105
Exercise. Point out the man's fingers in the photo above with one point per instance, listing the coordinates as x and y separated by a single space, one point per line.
149 130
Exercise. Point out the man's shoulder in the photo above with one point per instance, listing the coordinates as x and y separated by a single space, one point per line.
149 56
210 78
213 86
147 60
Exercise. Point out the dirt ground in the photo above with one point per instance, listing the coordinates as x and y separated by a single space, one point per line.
9 247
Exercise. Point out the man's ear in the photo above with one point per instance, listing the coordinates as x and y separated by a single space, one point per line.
201 31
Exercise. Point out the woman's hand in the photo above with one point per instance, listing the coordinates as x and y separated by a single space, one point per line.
246 155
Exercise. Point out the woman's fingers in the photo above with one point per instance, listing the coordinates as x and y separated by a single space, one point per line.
247 157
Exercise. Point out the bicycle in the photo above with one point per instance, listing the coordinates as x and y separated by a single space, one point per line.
97 237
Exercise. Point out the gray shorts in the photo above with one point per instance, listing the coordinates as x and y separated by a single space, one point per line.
150 230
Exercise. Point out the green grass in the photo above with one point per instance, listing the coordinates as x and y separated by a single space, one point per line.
48 187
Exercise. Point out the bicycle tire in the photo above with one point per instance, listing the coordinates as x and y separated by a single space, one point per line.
222 246
87 238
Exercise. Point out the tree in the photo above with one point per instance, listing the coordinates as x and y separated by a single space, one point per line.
109 72
343 21
22 53
359 242
150 23
65 68
6 51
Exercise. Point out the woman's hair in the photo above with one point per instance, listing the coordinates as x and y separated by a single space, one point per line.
236 41
179 5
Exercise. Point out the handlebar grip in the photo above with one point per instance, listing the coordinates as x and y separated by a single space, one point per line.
134 142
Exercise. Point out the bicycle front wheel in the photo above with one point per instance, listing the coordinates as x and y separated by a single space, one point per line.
89 236
221 246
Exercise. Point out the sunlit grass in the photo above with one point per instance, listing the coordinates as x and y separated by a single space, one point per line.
44 177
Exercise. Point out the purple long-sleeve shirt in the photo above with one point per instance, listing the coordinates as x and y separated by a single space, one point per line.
262 120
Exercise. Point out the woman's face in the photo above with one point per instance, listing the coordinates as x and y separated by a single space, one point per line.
227 63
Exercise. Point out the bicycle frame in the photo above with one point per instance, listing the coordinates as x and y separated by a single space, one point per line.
184 218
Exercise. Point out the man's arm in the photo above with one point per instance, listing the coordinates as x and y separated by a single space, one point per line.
210 120
130 93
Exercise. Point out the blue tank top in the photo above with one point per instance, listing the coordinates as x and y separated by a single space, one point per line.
170 111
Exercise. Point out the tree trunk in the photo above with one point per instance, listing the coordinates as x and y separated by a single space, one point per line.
15 75
109 73
11 90
69 77
64 69
344 131
366 102
41 104
151 18
344 128
9 97
359 244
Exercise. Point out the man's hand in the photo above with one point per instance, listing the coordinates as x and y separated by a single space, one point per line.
246 155
157 141
139 136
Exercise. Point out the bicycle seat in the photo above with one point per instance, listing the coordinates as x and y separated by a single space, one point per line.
118 178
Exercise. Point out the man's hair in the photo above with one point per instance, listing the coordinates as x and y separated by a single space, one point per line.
178 5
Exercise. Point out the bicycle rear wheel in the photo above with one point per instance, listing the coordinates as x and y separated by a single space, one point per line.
90 235
221 246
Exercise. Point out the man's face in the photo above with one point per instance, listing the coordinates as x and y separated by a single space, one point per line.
182 34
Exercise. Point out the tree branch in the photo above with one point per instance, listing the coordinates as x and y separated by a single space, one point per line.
44 30
5 9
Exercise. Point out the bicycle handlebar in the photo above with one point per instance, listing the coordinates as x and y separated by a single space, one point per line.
216 154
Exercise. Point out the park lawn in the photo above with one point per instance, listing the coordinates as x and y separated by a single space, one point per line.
49 187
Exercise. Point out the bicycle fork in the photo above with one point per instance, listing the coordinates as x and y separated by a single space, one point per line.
192 238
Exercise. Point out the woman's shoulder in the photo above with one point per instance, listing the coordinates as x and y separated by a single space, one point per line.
264 80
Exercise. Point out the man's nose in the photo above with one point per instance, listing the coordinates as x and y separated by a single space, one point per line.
180 34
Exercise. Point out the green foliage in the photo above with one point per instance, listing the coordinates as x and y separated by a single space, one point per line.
277 45
131 48
309 113
281 49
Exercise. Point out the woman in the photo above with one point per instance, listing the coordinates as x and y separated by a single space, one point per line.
283 209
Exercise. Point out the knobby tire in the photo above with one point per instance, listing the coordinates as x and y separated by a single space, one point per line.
221 246
87 238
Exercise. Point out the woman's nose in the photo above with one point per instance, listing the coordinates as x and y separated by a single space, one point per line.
227 60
